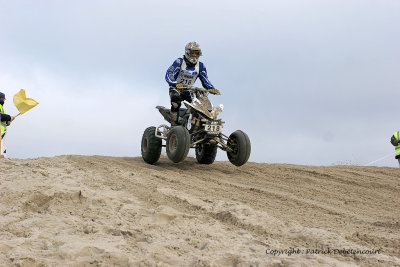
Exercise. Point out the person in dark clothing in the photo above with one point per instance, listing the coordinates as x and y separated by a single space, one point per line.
395 140
4 117
5 120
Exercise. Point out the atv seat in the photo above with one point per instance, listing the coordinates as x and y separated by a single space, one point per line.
166 112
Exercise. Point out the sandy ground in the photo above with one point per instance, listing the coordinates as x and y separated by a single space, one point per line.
107 211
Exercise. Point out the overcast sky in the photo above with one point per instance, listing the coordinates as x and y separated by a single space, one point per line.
310 81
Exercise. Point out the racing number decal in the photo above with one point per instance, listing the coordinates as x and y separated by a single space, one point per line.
213 128
186 82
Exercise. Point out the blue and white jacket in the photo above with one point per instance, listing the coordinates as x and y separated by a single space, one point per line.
187 75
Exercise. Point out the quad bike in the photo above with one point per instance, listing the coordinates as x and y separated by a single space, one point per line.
199 128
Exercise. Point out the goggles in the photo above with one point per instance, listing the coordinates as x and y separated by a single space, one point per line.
194 53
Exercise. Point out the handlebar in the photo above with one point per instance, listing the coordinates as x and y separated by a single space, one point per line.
195 89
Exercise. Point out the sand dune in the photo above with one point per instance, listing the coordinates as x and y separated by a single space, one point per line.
107 211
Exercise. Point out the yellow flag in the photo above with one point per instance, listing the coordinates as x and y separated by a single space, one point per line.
22 103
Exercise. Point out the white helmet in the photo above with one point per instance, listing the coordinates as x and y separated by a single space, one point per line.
192 52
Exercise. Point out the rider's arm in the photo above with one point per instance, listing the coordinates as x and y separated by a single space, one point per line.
394 141
204 78
172 72
5 117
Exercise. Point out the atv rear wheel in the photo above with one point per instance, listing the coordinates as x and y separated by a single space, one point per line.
205 153
151 146
239 142
178 143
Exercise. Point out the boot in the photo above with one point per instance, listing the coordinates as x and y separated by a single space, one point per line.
174 118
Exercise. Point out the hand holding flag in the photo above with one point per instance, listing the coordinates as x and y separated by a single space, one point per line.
23 103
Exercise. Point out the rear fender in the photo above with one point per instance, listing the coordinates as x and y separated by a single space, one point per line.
165 112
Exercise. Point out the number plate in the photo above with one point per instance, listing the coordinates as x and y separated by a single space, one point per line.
213 128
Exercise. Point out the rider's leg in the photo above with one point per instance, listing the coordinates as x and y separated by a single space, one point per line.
175 105
186 96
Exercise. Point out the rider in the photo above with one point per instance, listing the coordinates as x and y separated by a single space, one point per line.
184 73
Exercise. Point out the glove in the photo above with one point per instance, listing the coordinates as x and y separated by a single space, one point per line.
179 87
214 91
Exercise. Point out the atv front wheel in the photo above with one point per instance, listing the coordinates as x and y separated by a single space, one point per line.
151 146
205 153
239 142
178 143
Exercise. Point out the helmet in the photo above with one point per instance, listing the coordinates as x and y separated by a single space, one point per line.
192 52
